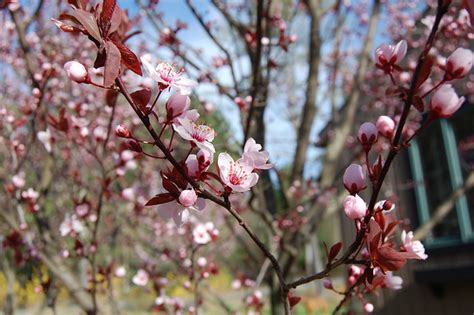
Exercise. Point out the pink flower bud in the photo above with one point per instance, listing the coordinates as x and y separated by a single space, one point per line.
354 207
459 63
385 125
135 146
327 283
188 197
176 105
368 307
354 178
76 71
122 131
445 101
367 134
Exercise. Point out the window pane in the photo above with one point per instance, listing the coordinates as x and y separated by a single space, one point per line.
437 179
463 128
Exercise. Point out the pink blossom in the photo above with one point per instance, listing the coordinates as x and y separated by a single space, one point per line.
354 207
354 178
369 307
459 63
45 138
120 271
200 135
252 151
128 194
196 164
76 71
141 278
100 133
393 282
71 226
386 126
178 212
30 194
201 234
188 197
176 106
388 56
168 77
82 210
202 262
238 175
367 134
327 283
19 180
414 247
445 101
122 131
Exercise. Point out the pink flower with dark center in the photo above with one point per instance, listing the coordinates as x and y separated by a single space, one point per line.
414 247
167 77
196 164
458 64
252 151
200 135
388 57
238 175
445 101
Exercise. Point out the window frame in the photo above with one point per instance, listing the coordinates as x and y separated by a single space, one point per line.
456 180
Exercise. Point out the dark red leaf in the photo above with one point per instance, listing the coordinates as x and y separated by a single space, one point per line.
88 21
170 186
370 276
116 20
61 123
129 59
425 71
335 249
108 8
68 17
65 27
293 299
374 242
419 104
159 199
141 98
380 219
390 228
100 59
389 259
111 97
112 63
